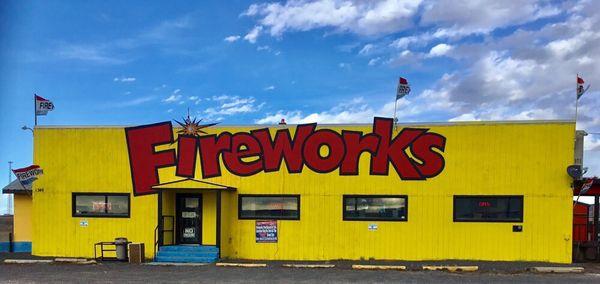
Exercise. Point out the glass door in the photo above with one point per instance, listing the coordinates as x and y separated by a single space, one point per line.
189 218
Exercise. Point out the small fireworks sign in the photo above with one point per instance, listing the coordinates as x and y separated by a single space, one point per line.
266 231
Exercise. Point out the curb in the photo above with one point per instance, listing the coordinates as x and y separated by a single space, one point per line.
309 265
451 268
27 261
378 267
74 261
557 269
230 264
175 264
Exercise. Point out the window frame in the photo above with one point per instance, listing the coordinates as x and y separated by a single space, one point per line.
106 195
240 196
346 218
522 217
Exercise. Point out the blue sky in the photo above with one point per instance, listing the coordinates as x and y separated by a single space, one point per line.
137 62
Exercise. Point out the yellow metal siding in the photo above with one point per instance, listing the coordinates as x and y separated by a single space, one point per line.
22 218
480 158
84 160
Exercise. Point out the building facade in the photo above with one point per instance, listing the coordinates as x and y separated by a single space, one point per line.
494 191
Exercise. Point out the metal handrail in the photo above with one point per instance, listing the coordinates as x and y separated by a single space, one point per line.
155 242
157 232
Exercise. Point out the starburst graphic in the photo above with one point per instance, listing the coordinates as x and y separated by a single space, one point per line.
192 127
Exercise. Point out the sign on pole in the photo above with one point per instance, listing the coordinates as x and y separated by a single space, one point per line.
28 175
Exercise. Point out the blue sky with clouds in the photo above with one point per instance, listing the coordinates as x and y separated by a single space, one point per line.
137 62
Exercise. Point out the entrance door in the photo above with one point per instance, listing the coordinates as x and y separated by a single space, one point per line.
189 218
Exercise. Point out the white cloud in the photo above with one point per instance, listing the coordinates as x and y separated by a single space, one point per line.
360 17
232 38
131 103
366 49
263 47
193 98
269 88
230 105
356 110
440 50
124 79
253 34
174 97
374 61
464 17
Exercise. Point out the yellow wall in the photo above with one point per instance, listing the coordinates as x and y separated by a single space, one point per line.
480 158
22 218
84 160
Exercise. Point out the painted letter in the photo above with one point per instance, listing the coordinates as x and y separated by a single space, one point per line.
187 149
233 159
274 151
356 144
312 147
210 148
432 161
394 151
143 160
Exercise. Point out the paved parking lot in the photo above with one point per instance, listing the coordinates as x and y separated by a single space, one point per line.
109 272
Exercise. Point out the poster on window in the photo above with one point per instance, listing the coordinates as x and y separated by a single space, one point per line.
266 231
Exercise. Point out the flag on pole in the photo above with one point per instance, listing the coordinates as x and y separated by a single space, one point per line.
28 175
403 88
580 88
42 106
586 186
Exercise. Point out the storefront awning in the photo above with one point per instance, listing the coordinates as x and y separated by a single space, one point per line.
192 184
15 187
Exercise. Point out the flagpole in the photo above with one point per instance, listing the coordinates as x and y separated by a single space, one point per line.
576 99
395 105
34 112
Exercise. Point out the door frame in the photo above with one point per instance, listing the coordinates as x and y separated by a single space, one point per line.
178 213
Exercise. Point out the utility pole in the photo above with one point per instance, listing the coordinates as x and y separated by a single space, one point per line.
10 196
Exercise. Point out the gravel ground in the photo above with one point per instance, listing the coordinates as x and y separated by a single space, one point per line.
108 272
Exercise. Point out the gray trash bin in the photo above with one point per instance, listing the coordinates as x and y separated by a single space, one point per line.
121 248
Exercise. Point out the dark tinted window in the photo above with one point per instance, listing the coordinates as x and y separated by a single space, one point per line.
100 205
269 207
376 208
488 208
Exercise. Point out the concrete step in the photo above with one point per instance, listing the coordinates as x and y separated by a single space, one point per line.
190 248
186 259
188 253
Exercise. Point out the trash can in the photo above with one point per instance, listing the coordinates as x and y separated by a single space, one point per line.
121 248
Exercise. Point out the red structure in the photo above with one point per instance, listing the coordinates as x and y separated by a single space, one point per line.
586 222
583 225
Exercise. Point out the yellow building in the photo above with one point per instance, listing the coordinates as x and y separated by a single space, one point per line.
473 191
20 239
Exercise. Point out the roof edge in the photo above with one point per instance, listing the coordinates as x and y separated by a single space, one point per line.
441 123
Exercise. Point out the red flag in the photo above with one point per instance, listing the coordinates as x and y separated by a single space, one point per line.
403 88
580 88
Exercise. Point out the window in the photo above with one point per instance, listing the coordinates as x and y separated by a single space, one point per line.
100 205
488 208
375 207
285 207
